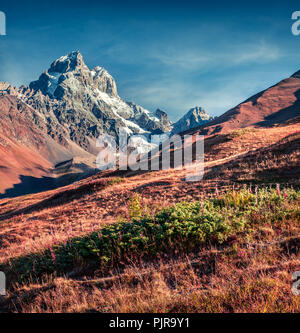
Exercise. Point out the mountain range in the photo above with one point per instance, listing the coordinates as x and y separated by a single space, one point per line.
59 116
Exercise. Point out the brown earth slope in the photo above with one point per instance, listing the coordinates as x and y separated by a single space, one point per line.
28 153
248 273
24 149
97 200
275 105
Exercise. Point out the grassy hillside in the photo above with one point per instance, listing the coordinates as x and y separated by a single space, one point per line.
152 242
237 229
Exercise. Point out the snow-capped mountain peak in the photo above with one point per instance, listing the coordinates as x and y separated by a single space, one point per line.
195 117
69 62
86 102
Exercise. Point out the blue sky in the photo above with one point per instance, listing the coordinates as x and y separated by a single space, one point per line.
172 55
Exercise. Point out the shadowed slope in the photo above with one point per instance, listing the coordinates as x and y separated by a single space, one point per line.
24 149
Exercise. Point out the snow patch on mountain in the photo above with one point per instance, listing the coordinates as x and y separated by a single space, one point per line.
195 117
79 104
86 103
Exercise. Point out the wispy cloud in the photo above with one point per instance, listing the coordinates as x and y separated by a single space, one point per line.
236 54
177 75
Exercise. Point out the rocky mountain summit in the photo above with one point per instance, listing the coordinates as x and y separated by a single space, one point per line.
79 104
74 105
197 116
59 117
69 106
7 89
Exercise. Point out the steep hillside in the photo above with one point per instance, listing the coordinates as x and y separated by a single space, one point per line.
272 106
25 150
204 243
103 196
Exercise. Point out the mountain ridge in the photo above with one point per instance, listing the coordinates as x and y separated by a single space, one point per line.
77 104
276 104
60 116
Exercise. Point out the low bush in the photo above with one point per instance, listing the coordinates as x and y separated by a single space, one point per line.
180 228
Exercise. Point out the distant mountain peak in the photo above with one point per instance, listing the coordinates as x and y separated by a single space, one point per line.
195 117
198 113
6 88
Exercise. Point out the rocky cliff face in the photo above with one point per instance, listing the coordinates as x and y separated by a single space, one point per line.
194 118
69 74
154 123
79 104
59 117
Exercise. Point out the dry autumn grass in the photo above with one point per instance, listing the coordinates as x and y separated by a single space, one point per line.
231 283
248 272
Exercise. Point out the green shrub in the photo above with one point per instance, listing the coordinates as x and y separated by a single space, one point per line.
134 207
183 227
114 181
